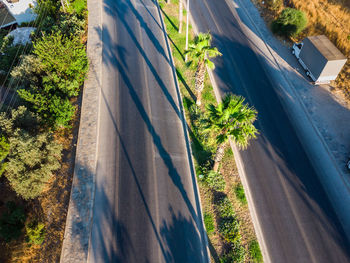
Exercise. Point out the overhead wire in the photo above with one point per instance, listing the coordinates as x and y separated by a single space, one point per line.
24 49
37 23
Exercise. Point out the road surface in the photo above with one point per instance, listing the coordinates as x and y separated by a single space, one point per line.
146 205
297 221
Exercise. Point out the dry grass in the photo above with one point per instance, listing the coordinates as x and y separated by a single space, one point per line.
326 17
331 18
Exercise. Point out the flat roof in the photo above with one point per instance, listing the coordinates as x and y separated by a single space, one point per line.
326 47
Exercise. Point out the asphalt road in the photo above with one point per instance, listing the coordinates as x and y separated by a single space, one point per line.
146 203
297 221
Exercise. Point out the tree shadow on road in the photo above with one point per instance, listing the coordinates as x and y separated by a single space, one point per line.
256 85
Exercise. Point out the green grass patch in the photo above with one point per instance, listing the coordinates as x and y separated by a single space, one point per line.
254 251
209 223
228 152
208 95
239 192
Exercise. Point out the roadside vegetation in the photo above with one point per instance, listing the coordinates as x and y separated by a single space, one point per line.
41 84
226 215
290 22
325 17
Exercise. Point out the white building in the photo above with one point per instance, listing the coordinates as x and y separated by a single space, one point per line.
16 12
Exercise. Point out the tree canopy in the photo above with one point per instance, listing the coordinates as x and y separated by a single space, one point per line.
232 117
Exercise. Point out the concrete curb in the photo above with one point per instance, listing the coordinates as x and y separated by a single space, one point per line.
185 127
79 216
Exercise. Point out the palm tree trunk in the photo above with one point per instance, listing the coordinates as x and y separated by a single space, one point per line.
218 156
199 83
181 7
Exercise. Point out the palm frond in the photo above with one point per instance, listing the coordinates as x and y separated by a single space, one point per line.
232 117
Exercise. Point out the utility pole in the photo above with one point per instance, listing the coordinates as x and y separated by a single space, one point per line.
181 10
63 6
64 3
187 15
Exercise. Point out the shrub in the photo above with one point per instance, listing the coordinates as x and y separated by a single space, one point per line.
235 255
187 103
209 223
35 233
228 224
229 229
28 72
289 23
254 251
239 191
70 25
215 181
4 151
51 76
47 8
33 156
275 4
79 6
12 222
9 54
64 61
224 207
203 168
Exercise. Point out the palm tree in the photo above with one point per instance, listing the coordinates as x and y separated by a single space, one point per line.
232 117
200 52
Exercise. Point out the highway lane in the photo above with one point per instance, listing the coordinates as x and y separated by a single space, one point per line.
146 205
297 221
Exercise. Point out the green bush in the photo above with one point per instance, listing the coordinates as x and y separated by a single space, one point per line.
4 151
12 222
47 8
9 54
79 6
254 251
215 181
235 255
50 77
228 224
209 223
224 207
187 103
33 156
35 233
65 62
229 229
289 23
70 25
239 191
274 4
